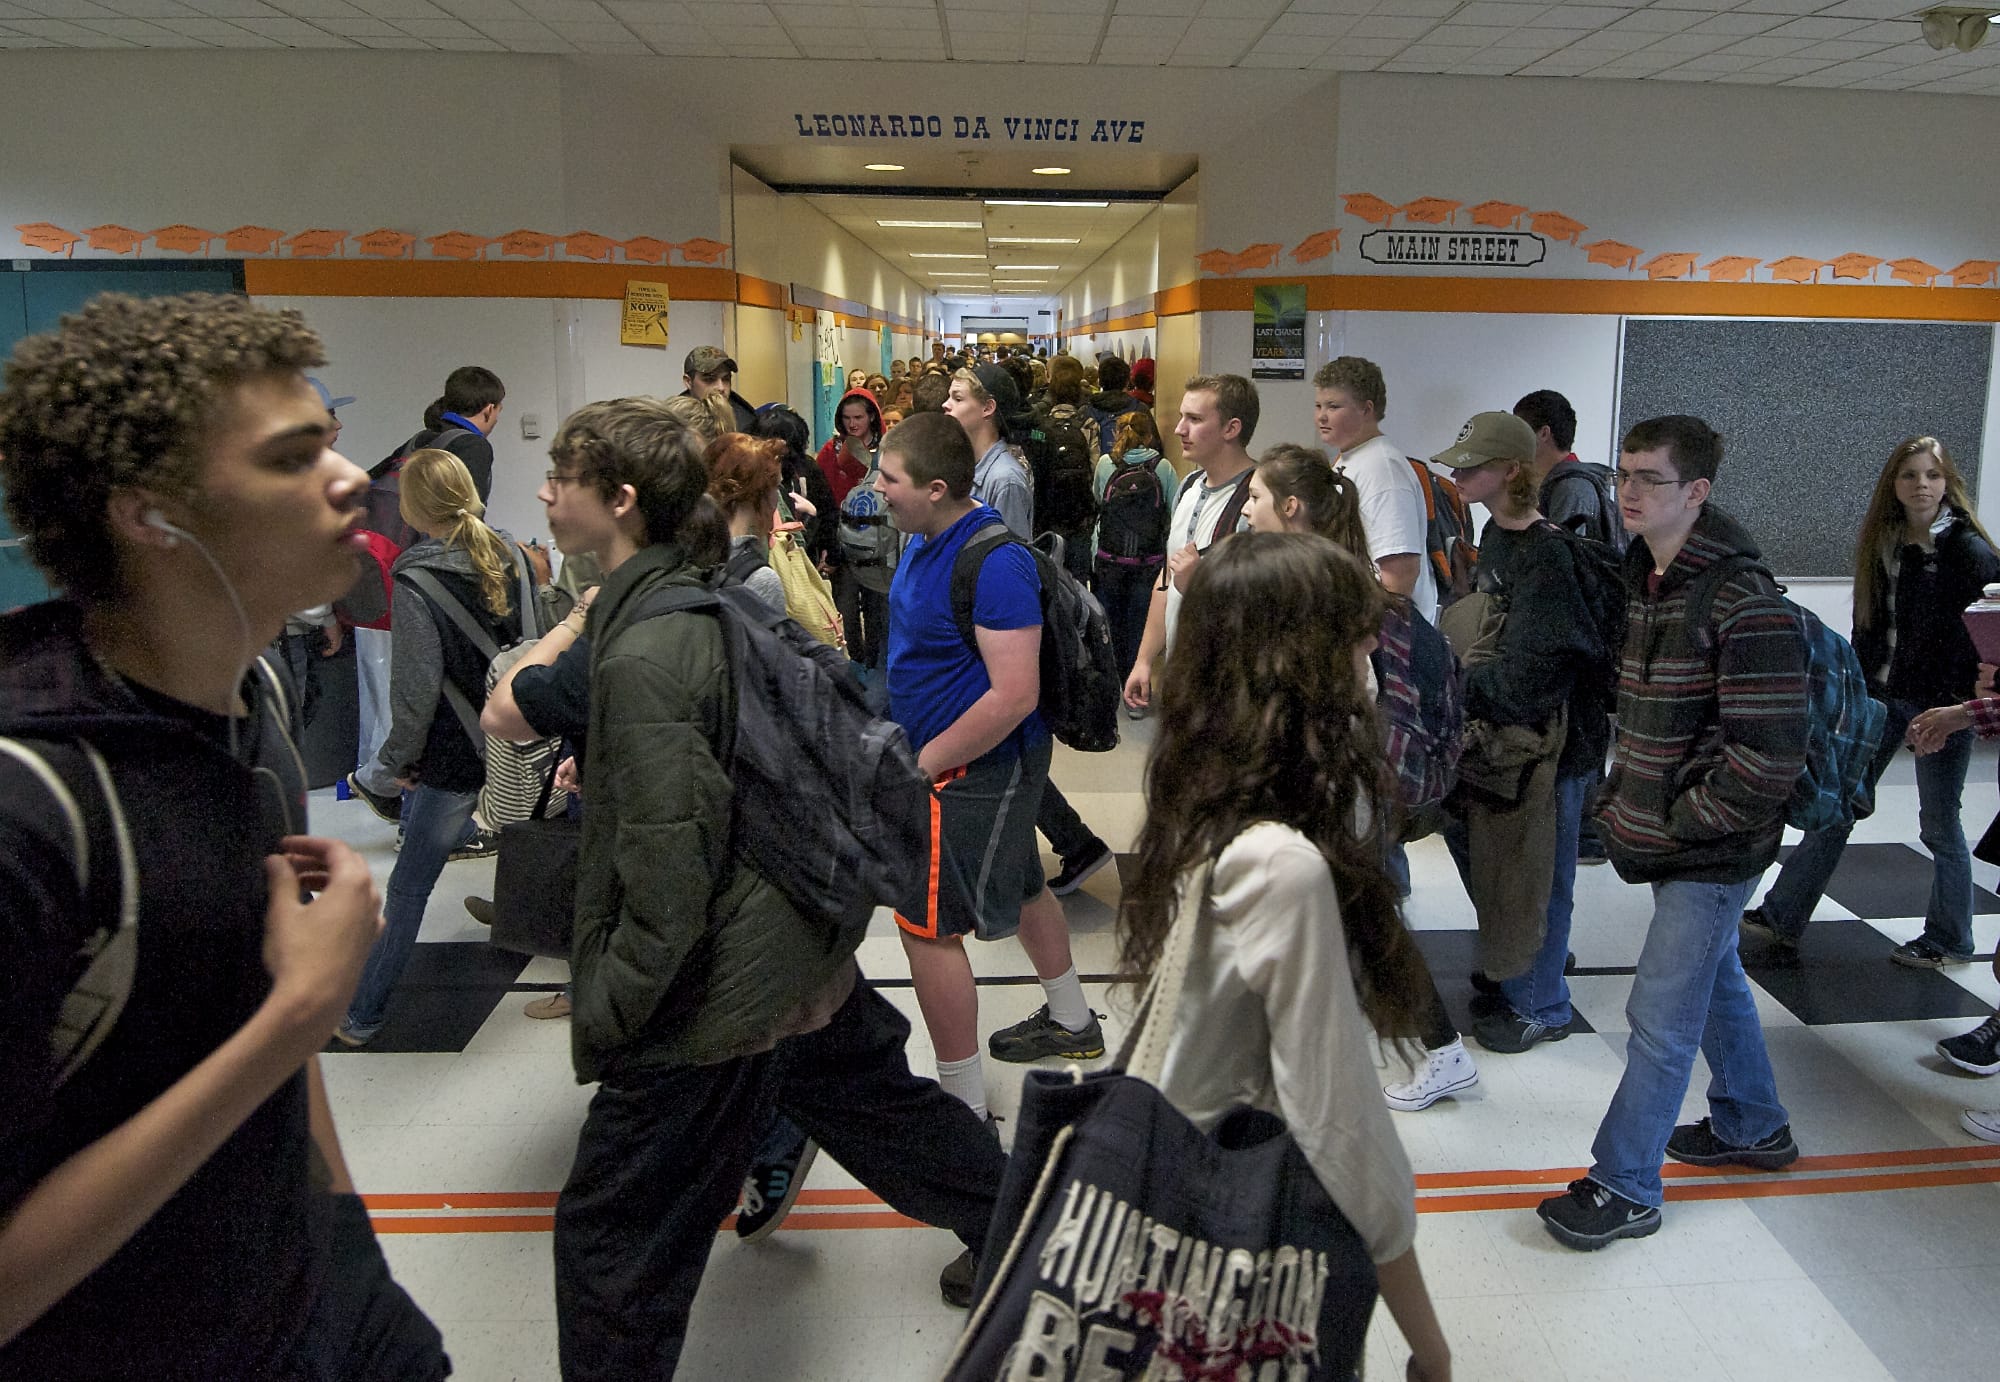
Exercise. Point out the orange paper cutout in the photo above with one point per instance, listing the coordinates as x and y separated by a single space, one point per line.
1557 226
387 244
318 244
1431 211
1316 246
588 244
117 239
1369 207
702 251
1731 268
1676 265
526 244
41 235
185 239
459 244
1498 215
252 240
1914 272
1228 262
1856 266
1975 273
644 249
1615 253
1795 268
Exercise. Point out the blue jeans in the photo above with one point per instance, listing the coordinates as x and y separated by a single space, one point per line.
1689 991
433 824
1542 994
1940 785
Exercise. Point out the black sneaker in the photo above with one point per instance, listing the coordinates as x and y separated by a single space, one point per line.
388 808
1491 987
955 1281
480 909
1079 867
1590 850
483 845
1756 926
770 1191
1978 1050
1509 1033
1591 1215
1039 1036
1697 1145
1925 953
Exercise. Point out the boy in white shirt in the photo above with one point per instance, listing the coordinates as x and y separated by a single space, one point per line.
1349 402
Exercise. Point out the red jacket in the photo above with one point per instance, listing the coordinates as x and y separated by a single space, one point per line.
842 471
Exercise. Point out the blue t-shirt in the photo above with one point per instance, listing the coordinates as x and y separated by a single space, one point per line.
933 676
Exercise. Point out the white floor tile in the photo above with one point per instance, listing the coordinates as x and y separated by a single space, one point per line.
1778 1329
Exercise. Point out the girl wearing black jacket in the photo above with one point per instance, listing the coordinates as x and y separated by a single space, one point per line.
1921 559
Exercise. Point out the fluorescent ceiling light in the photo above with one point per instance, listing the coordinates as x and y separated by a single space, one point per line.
1051 172
1018 282
932 225
956 273
1022 268
915 255
1033 240
1046 201
883 167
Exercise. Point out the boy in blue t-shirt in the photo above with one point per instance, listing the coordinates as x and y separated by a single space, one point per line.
971 714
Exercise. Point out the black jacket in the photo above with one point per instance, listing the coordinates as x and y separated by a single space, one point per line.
1934 662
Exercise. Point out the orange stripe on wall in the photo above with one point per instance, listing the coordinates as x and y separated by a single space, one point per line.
752 291
424 278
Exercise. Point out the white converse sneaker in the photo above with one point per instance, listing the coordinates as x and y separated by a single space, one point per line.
1446 1070
1982 1123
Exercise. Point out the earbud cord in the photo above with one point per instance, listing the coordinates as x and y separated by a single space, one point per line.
242 622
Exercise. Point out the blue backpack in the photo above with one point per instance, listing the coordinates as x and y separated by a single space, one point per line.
1843 723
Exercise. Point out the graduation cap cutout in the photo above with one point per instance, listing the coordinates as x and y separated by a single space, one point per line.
588 244
1914 272
1316 246
458 244
387 244
117 239
1228 262
1615 253
1676 265
701 251
1556 226
185 239
1498 215
1430 211
41 235
318 244
1795 268
1857 266
645 249
1730 268
1975 273
1369 207
526 244
252 240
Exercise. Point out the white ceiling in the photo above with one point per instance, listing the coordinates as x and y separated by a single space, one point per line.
1872 44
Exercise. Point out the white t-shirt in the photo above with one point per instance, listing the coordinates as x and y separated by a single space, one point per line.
1269 1018
1392 511
1197 509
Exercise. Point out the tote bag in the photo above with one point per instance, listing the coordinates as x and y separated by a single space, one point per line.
807 599
534 881
1137 1245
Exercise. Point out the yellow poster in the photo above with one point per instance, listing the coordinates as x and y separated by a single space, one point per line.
645 319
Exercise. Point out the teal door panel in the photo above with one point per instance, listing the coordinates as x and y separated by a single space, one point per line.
20 583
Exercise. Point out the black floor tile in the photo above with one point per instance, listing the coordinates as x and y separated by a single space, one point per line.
1452 956
447 992
1880 881
1842 973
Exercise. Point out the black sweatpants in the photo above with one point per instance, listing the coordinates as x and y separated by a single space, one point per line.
660 1161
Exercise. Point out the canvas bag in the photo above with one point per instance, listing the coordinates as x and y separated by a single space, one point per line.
534 880
1103 1168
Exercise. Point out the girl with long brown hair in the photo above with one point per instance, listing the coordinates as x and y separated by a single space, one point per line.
1266 774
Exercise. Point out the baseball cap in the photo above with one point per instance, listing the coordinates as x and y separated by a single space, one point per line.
332 404
999 385
1489 437
704 361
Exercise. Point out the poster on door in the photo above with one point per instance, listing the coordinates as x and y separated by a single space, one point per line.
644 322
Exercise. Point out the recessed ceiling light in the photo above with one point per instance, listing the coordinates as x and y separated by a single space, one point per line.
932 225
1033 240
956 273
1022 268
1046 201
1050 172
1017 282
915 255
883 167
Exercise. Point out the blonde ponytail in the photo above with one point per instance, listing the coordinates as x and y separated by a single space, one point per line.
438 496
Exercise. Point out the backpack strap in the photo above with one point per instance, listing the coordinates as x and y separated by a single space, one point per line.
482 643
1232 510
1702 591
965 576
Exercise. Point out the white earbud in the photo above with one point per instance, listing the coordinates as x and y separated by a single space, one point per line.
153 518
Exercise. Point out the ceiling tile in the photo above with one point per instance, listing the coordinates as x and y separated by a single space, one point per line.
367 26
1391 26
1815 26
1839 50
399 41
1605 41
1658 21
1791 7
1720 62
1871 9
1497 12
1329 25
523 36
65 31
1788 67
1765 46
139 31
166 9
1577 17
65 9
1294 59
1186 9
1423 9
1265 10
1737 24
420 28
1332 7
381 9
1478 35
241 9
1365 45
1688 43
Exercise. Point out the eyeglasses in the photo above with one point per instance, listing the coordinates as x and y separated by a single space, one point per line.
556 477
1647 480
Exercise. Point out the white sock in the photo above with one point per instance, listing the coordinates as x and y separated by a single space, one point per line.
1067 1004
966 1080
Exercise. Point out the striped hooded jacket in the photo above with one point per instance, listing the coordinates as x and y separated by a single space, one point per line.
1708 744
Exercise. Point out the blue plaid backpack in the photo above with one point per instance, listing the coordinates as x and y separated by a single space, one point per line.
1422 706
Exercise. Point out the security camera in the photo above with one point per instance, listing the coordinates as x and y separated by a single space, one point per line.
1952 27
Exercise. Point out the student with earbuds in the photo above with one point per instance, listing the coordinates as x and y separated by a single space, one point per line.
173 1202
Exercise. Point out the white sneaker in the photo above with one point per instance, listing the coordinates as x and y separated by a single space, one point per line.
1446 1070
1982 1123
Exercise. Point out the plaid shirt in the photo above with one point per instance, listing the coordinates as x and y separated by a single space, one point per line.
1985 714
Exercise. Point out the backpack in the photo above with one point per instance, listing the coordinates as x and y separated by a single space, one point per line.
461 618
1605 482
1068 464
1447 533
1843 723
1132 519
866 537
1601 576
1231 516
366 604
1081 681
829 805
1422 704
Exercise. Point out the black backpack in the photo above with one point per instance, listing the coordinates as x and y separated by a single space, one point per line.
1070 460
366 604
1132 520
829 805
1609 529
1081 683
1601 575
